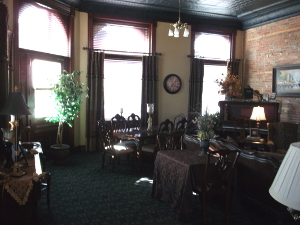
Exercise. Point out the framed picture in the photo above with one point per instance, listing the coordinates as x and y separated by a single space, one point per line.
254 132
273 96
266 97
286 80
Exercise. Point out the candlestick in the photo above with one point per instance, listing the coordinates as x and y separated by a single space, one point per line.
150 110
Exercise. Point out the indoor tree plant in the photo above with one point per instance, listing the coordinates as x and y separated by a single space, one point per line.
67 93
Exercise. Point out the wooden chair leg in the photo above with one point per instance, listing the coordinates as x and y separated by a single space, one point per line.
113 161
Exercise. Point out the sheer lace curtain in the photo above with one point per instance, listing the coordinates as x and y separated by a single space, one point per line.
95 102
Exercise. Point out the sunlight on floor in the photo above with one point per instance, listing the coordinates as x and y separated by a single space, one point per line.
144 181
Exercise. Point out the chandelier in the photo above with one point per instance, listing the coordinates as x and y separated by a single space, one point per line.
178 26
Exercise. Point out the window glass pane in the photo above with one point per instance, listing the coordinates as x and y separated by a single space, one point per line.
41 78
122 87
44 105
210 96
212 46
42 29
120 37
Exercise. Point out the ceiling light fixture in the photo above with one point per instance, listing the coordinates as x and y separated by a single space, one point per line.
178 26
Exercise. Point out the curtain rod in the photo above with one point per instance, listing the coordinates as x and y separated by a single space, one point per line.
202 57
92 49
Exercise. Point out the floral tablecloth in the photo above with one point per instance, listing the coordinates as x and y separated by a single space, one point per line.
175 173
19 187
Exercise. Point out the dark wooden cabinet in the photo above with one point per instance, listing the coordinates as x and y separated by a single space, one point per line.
231 109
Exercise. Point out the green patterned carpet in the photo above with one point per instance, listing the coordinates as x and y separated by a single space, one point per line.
84 194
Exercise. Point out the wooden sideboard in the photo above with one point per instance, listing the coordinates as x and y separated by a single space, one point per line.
231 109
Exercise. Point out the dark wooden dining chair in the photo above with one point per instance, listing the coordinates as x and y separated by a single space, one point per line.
133 122
109 144
169 141
118 123
165 127
218 178
180 128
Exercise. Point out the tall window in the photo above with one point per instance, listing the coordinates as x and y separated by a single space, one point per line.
124 45
43 30
215 48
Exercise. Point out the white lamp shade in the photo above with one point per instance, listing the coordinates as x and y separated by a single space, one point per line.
286 185
170 32
258 114
186 32
176 31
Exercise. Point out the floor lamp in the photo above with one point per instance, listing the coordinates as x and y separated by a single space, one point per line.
15 105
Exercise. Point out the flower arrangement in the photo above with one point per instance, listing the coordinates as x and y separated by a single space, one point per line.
230 85
205 124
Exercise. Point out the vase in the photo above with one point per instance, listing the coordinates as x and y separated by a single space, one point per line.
229 97
204 144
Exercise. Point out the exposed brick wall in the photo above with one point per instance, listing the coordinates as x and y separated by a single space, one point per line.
272 45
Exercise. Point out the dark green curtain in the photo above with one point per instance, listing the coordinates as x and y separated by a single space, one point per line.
149 88
95 102
196 85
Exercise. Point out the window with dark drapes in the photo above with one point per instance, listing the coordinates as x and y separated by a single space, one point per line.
124 44
215 49
117 75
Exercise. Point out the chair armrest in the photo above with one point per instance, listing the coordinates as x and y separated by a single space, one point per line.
271 146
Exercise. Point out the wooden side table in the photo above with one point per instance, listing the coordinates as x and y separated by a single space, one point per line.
256 145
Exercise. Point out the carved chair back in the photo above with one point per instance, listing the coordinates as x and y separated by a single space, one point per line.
133 122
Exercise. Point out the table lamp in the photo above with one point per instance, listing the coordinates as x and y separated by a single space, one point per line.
286 185
150 111
258 114
16 106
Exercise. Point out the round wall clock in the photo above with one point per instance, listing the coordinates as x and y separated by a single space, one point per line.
172 83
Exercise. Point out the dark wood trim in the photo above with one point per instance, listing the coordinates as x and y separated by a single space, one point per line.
3 60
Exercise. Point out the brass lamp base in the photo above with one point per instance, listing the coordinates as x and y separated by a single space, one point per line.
17 172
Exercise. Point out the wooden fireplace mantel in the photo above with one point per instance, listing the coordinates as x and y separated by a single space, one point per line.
231 109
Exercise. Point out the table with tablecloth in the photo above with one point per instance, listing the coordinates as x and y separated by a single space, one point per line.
19 195
175 173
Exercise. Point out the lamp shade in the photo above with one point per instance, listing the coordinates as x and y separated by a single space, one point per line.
286 185
15 105
258 114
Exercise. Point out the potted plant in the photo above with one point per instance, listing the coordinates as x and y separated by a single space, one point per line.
67 94
205 128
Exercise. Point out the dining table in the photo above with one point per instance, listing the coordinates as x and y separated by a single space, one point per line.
138 135
19 195
175 174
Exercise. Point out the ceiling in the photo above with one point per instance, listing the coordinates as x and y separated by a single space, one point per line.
238 14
